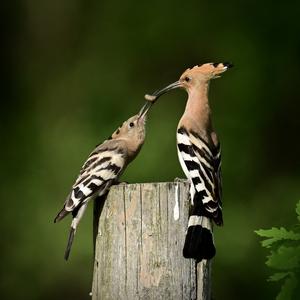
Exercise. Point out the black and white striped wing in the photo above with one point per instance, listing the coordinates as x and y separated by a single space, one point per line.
202 166
104 165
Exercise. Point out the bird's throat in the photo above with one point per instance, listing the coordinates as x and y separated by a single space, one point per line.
197 107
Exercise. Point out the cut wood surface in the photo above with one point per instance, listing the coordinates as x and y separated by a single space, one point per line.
139 240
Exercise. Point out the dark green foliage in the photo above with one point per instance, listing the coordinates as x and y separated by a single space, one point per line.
284 257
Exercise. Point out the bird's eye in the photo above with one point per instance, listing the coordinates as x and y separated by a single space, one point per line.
187 79
131 124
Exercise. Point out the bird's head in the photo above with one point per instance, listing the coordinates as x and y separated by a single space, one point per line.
202 73
192 78
133 131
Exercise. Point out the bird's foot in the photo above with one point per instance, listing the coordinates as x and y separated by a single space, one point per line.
121 183
177 179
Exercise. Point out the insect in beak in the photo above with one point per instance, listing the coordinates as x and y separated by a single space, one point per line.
152 98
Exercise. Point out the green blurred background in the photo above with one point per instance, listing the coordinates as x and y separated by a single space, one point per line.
72 71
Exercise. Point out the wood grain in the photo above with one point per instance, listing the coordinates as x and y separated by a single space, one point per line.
139 243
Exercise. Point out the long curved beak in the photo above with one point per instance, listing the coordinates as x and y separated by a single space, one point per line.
153 97
144 109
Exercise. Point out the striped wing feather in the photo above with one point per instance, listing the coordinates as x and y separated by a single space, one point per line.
103 166
203 165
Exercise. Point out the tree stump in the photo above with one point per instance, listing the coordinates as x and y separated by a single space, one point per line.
139 241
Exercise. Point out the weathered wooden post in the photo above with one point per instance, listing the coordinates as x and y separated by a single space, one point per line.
139 241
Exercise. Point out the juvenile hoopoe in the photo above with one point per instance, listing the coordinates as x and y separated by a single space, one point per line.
103 167
200 158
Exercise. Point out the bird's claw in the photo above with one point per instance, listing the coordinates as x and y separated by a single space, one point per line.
177 179
121 182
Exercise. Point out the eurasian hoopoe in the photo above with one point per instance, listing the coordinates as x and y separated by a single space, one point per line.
103 168
200 158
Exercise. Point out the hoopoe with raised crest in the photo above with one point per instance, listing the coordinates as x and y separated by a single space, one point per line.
103 168
199 154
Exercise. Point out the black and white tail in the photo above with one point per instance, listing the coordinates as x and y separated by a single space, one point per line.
77 215
199 243
201 165
70 242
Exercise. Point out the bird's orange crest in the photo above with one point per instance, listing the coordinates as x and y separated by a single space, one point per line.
207 71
